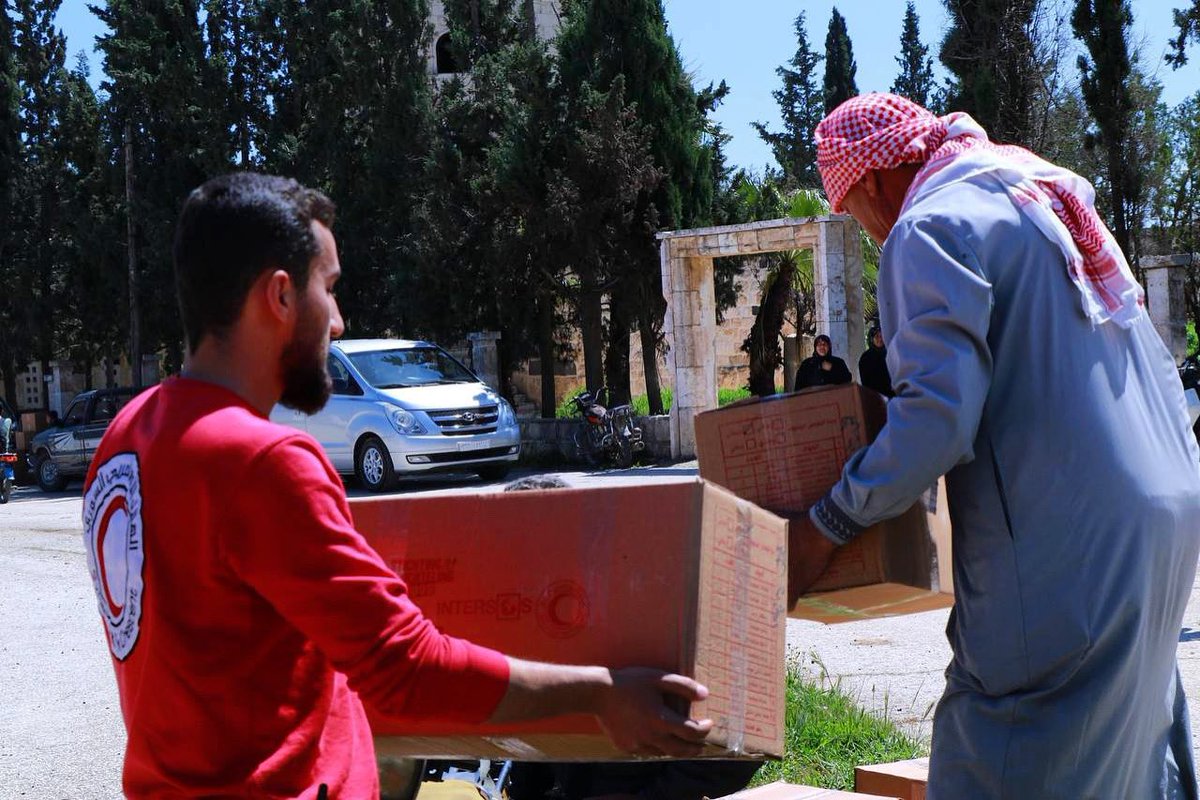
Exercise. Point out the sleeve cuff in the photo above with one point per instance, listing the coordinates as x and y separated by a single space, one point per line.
834 523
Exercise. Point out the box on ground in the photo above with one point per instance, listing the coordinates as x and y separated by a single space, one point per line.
784 453
794 791
903 779
680 576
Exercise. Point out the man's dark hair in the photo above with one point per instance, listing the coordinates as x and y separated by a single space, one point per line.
230 231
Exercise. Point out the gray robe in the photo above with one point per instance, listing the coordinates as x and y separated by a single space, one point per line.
1074 494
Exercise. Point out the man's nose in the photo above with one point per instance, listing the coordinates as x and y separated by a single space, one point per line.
336 326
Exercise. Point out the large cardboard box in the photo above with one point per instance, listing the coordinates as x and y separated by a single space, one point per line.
903 779
794 791
681 576
784 453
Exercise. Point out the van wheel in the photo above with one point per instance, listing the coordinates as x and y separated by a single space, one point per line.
373 465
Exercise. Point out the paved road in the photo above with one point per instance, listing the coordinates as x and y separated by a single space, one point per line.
60 727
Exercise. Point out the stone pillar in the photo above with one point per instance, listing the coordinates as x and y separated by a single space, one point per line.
691 327
1165 300
837 284
485 357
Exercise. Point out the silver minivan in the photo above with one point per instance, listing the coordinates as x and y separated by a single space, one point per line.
402 407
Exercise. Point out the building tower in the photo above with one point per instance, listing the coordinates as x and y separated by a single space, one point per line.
546 16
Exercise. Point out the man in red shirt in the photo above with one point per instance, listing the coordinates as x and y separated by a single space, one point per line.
245 615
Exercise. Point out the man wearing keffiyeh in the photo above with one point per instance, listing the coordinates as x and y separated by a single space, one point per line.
1027 371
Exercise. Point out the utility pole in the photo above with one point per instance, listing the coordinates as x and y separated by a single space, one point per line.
135 332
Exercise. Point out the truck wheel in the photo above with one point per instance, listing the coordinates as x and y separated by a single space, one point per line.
49 478
373 465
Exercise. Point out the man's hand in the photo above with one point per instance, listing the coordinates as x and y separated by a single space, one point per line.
827 365
635 716
809 554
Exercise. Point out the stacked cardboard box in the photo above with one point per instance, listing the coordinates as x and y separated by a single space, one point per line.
680 576
784 453
793 791
903 779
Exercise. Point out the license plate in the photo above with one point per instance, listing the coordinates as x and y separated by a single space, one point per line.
466 446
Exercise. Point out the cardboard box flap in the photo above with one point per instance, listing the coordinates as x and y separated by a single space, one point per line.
744 580
792 791
869 602
905 779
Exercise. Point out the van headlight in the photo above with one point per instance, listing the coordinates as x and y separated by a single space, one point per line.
508 417
404 422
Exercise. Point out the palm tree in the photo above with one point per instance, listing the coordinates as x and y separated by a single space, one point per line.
789 279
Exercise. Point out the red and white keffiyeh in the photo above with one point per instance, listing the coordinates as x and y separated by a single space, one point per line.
883 131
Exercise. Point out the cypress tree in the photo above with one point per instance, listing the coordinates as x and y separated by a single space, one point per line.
801 105
161 89
1187 28
11 354
354 120
989 49
839 64
915 80
37 215
604 41
1105 80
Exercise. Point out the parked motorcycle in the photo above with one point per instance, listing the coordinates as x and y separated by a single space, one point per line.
8 460
606 435
1189 376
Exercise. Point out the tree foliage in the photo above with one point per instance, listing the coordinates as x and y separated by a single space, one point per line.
604 42
990 51
1103 26
801 106
839 64
1187 27
915 80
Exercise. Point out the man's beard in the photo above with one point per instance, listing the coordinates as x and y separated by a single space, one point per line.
306 382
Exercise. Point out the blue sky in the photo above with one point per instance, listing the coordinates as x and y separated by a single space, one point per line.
743 41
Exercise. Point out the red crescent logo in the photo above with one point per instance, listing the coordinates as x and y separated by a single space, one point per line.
118 504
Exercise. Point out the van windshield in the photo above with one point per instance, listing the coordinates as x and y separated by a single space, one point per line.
413 366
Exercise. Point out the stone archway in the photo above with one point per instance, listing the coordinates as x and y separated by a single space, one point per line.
691 320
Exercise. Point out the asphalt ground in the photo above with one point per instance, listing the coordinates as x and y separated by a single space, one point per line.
61 735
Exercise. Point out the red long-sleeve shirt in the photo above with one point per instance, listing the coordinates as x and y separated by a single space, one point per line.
245 614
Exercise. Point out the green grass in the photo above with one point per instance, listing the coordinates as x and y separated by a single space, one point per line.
641 403
827 735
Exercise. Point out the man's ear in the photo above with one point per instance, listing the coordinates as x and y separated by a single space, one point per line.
871 184
279 294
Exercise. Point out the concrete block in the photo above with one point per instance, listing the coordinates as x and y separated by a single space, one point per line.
695 346
747 241
696 387
679 279
683 441
772 239
831 237
687 309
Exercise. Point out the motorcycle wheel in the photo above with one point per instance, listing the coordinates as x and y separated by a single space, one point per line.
623 457
583 447
5 490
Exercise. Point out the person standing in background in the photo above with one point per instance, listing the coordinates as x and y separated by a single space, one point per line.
822 368
872 365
